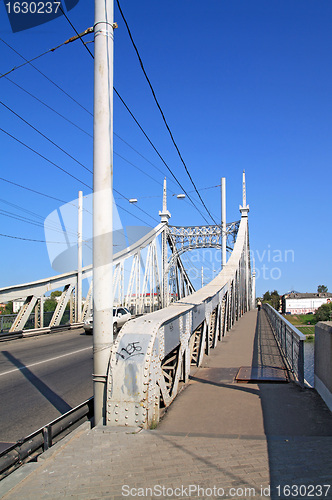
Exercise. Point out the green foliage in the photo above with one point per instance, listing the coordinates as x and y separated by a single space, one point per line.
50 305
301 319
56 293
273 299
322 289
307 330
324 312
9 308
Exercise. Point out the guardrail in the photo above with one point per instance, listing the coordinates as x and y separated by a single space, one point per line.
42 439
6 320
290 341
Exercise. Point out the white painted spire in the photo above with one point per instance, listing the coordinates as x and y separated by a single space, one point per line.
244 209
165 215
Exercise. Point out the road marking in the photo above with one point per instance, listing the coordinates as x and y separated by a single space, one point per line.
45 361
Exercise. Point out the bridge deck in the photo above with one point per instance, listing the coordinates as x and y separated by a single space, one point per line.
217 433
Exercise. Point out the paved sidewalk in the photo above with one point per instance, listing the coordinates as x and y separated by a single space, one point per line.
219 439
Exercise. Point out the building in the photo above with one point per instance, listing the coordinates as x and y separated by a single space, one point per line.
17 304
304 303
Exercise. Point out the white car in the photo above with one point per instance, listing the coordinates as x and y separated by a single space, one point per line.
120 316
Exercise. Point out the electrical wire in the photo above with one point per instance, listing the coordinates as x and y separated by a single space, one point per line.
32 190
44 157
86 32
78 35
131 114
29 239
139 208
45 137
47 78
41 222
49 107
162 159
160 109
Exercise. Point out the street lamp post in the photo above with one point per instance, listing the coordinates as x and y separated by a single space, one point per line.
102 202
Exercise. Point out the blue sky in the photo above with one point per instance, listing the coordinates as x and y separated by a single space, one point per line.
243 85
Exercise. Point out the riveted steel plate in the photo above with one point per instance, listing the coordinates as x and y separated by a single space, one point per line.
258 374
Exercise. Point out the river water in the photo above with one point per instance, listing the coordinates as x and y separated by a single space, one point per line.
309 348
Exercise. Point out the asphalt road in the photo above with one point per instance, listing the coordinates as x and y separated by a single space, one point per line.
41 378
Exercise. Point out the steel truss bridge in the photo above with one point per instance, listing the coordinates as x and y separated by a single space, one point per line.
174 325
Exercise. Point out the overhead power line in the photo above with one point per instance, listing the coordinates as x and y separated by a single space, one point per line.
47 78
74 100
127 108
44 158
45 137
32 190
29 239
142 128
160 109
49 107
72 39
162 159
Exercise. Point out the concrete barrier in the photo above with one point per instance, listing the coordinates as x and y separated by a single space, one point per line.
323 361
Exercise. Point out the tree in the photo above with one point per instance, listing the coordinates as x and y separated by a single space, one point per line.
9 308
50 305
273 299
322 289
323 312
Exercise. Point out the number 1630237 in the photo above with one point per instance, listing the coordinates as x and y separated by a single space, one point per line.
33 7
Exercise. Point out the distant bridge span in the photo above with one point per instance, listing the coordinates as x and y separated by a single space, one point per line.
153 354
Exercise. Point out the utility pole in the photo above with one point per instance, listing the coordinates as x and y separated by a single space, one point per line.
79 258
102 202
223 222
164 215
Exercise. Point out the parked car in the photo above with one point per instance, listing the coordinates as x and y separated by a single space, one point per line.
120 316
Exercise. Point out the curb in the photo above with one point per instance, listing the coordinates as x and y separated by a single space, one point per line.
23 472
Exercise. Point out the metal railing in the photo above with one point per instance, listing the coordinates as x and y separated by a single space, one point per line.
6 320
42 439
290 341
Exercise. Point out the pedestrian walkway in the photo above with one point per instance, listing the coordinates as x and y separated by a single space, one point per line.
219 439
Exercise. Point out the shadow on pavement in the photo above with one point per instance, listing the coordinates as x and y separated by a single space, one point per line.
58 403
298 428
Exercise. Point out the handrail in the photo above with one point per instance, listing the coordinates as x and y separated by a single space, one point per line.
290 341
42 439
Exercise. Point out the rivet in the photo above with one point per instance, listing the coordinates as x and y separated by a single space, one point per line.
126 416
136 421
116 419
116 412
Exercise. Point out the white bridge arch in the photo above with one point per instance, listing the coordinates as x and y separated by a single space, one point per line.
153 353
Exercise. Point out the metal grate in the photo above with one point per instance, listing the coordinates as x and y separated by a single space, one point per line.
252 374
